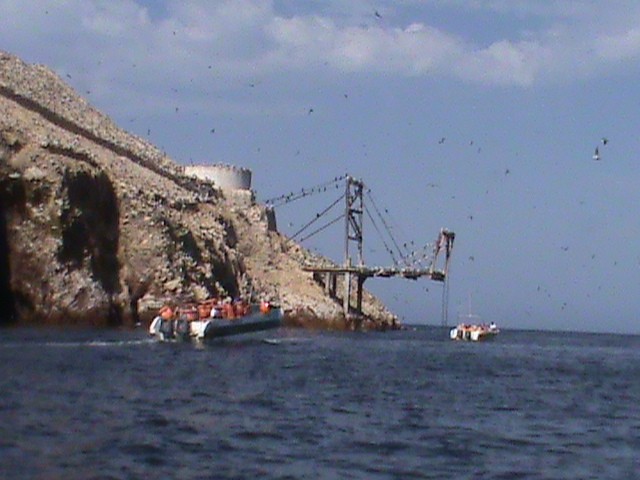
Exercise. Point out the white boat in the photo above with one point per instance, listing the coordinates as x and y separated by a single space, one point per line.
470 329
474 333
255 318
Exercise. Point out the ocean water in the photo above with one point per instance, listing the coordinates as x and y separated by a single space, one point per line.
110 404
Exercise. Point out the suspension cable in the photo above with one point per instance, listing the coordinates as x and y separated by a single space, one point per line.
304 192
375 226
445 303
322 228
411 256
317 217
386 227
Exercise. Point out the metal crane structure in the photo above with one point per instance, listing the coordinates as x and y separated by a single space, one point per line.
412 265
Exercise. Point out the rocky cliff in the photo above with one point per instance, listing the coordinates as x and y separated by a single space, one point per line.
98 226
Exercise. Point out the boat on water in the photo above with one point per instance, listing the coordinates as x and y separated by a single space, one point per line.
210 320
470 329
473 332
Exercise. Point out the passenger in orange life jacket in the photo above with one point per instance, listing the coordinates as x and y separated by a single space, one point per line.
166 312
265 307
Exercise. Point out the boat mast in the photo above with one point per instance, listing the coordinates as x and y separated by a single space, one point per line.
469 315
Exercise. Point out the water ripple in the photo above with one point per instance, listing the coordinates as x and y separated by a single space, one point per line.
95 404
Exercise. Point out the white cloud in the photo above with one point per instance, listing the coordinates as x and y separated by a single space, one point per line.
249 38
111 19
504 63
303 43
619 46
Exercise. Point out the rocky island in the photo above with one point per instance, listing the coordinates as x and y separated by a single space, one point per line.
99 227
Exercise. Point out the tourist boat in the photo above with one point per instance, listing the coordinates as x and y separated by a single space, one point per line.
191 323
474 333
469 329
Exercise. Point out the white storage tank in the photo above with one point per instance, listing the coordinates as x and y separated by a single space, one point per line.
226 177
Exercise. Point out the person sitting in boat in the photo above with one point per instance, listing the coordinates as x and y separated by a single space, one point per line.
240 307
265 307
164 321
204 309
216 311
182 316
167 312
228 311
188 312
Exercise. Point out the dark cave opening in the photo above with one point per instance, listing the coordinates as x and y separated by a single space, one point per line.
90 227
12 202
7 299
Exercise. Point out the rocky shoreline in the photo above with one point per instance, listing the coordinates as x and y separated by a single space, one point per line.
99 227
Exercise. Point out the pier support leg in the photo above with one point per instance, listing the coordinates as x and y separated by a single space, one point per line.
359 293
347 293
330 284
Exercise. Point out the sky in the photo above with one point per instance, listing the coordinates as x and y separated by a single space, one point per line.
480 116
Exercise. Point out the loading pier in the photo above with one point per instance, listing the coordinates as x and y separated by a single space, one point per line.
353 270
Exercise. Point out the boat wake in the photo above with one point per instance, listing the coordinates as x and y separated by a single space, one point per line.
76 344
281 341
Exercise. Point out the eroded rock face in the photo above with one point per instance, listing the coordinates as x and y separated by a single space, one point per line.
99 227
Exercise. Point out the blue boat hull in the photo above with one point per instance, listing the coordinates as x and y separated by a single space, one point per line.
256 322
210 328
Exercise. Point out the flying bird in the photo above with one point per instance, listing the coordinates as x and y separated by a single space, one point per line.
441 141
605 140
596 154
377 14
